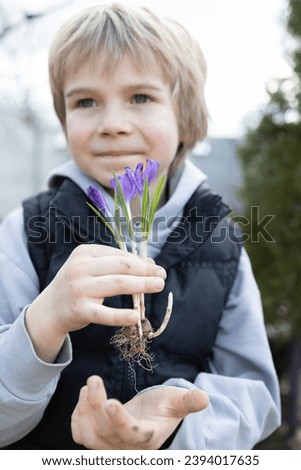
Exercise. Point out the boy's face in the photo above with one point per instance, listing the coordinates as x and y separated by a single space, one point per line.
117 119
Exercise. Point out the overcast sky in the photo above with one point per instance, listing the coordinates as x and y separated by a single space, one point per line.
244 42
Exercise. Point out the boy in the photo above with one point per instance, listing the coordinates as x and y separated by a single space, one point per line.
127 86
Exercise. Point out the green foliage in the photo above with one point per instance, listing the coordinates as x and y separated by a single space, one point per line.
271 160
294 15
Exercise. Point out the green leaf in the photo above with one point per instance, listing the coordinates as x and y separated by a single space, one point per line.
145 208
155 200
121 202
117 217
121 199
102 218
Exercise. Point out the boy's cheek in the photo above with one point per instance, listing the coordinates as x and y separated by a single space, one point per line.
76 131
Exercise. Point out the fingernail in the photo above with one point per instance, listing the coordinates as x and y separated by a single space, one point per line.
112 409
83 395
161 272
159 283
93 385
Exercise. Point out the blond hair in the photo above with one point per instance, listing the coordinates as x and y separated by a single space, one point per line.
115 30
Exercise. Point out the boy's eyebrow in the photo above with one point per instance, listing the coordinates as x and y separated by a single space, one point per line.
78 91
144 86
137 86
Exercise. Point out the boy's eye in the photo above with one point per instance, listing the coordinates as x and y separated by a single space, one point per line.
140 98
86 103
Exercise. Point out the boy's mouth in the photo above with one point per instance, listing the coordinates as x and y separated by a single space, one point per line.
120 153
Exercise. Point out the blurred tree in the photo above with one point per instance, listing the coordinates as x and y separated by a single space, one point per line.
271 158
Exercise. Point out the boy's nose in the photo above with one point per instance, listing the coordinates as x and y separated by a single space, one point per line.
114 121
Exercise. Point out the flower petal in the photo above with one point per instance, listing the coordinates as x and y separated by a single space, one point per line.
113 183
139 177
97 198
127 183
151 170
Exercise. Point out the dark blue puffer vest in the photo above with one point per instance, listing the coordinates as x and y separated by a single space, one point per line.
201 257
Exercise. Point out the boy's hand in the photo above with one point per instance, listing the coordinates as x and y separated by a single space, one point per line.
75 296
145 422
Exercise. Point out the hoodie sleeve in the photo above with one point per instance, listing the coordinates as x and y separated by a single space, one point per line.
242 387
26 382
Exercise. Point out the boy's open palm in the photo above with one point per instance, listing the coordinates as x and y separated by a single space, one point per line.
145 422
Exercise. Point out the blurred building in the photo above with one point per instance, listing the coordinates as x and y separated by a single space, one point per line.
217 158
27 154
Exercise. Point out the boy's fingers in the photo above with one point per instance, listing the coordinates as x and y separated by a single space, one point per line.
134 266
111 285
97 251
102 251
196 400
103 315
190 402
96 392
80 422
117 412
76 435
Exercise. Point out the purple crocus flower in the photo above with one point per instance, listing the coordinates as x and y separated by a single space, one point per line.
127 183
97 198
148 172
139 177
132 181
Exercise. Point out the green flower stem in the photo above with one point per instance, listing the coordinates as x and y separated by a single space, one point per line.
136 297
102 218
122 245
131 233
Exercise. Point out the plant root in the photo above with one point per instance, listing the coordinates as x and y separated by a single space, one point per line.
153 334
133 341
132 346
